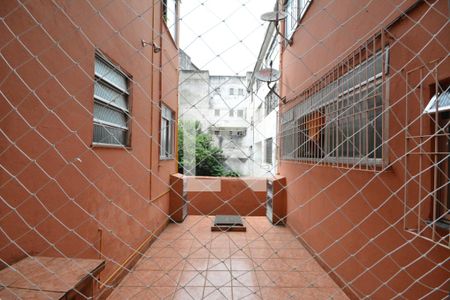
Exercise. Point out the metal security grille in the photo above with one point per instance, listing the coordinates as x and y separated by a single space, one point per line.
270 102
269 152
340 121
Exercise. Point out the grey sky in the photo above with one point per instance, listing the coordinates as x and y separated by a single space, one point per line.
229 28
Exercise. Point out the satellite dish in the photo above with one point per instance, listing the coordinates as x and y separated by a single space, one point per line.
274 16
268 75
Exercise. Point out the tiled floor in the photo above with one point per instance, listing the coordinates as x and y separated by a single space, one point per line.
188 261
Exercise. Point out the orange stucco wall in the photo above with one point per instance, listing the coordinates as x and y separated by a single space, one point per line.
226 196
352 219
61 195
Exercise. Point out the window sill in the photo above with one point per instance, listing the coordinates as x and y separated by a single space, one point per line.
364 168
110 146
439 223
166 158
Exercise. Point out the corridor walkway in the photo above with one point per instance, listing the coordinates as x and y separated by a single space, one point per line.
189 261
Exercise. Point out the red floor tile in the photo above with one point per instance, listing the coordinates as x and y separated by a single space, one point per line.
189 261
192 278
212 293
218 278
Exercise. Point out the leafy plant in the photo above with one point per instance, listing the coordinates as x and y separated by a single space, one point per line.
208 159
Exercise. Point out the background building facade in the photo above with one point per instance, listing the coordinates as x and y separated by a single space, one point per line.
263 109
220 104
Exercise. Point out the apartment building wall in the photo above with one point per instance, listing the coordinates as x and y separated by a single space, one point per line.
263 109
63 195
353 219
219 103
228 111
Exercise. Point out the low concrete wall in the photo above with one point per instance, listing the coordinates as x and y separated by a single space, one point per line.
245 196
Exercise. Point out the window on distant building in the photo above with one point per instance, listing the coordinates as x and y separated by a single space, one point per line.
167 132
240 113
295 9
217 112
258 152
270 102
111 107
269 152
231 113
231 91
240 92
170 15
258 113
340 121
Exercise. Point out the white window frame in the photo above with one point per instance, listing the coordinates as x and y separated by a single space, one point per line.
169 15
167 133
295 10
116 82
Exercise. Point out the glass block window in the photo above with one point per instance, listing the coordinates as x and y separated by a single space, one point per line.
111 111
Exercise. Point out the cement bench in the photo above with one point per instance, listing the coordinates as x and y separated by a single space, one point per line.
50 278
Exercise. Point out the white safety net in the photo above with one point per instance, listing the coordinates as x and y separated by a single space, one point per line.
102 101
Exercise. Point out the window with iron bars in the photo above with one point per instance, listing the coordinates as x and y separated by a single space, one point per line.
271 102
268 152
342 122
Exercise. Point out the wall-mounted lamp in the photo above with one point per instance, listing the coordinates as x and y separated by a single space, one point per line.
156 48
275 17
270 75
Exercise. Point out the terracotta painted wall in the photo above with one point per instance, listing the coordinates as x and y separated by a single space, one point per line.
353 219
57 190
225 195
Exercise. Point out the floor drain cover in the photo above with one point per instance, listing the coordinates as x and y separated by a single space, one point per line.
228 223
